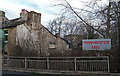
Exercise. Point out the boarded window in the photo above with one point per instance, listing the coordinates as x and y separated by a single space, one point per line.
52 45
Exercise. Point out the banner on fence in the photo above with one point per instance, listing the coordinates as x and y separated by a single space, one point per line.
96 44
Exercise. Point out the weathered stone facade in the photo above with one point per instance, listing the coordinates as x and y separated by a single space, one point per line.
2 16
33 39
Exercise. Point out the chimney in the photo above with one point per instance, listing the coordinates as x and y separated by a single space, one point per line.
24 14
35 19
2 13
58 35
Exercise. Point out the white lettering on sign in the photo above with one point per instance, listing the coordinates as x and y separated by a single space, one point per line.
96 44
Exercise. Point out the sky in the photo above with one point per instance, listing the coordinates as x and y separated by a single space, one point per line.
12 8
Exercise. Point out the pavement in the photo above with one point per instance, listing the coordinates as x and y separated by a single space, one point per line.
13 73
23 72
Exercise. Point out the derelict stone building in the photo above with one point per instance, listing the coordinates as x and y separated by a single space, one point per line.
31 38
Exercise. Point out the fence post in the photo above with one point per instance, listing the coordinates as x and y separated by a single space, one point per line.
25 63
108 64
8 61
75 64
47 63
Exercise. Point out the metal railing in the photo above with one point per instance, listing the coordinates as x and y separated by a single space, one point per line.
91 64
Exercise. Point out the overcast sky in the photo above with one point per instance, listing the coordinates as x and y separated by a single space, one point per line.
45 7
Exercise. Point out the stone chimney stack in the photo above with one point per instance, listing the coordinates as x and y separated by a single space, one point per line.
2 15
24 14
35 19
58 35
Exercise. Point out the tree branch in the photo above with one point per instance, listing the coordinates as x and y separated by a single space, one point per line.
83 19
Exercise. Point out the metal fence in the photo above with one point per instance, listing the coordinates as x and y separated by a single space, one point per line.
91 64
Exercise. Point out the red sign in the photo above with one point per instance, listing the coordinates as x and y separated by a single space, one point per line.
96 44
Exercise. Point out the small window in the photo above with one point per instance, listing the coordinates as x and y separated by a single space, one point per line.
6 31
52 45
6 35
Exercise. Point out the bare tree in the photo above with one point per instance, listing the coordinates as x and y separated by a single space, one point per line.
69 7
95 17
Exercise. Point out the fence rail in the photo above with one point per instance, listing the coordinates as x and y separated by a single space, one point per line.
91 64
